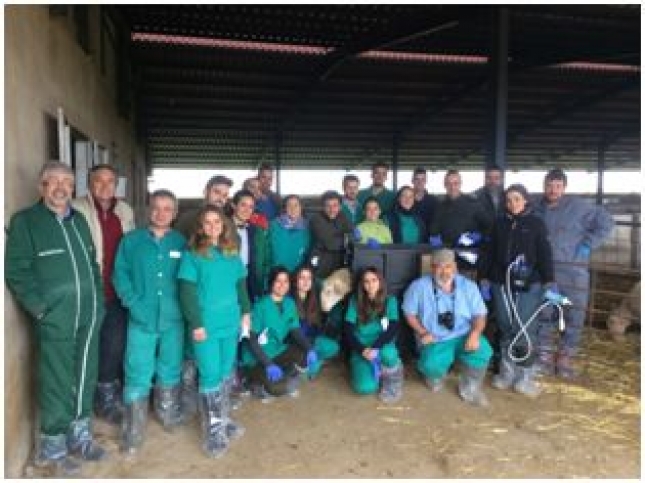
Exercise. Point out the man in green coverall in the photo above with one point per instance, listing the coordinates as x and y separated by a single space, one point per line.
50 267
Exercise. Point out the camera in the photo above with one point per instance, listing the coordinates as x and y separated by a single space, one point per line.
447 320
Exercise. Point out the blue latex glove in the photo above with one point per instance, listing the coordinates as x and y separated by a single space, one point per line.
273 373
373 243
552 294
357 234
376 367
312 358
469 238
484 289
435 241
583 251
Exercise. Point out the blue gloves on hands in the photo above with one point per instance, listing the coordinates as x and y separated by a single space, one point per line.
373 243
435 241
312 358
485 290
273 373
469 238
553 295
376 367
357 234
583 251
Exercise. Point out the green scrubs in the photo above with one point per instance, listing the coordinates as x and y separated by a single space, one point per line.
362 375
273 322
145 278
216 277
410 232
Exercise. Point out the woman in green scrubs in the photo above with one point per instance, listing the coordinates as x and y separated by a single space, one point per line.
277 351
215 302
371 324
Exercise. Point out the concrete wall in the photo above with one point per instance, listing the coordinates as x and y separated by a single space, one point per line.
45 68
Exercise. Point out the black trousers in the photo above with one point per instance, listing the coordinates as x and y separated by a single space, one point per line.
286 360
112 342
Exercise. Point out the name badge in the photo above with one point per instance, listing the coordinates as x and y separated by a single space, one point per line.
175 254
385 323
263 338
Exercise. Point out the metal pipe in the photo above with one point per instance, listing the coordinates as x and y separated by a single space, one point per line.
499 90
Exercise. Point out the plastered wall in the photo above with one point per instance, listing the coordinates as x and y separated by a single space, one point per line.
45 68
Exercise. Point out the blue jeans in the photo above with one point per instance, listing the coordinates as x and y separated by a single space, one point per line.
526 303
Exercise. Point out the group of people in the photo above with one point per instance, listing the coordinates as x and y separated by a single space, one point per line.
224 301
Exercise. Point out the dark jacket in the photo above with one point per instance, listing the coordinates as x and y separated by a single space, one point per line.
329 242
457 216
524 234
486 202
394 222
426 208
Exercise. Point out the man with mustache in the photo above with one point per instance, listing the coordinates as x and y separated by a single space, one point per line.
51 269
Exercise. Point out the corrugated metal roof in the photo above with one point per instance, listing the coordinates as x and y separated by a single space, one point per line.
219 84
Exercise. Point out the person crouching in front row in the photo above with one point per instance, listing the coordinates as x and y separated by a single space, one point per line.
277 352
371 323
448 315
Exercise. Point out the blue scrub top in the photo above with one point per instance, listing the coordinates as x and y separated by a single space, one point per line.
423 302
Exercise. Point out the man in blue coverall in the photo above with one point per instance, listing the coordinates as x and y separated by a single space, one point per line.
575 228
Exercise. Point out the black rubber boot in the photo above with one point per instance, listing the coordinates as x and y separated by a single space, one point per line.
133 426
80 442
108 403
52 454
215 442
168 406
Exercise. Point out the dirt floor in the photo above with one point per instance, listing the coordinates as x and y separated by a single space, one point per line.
588 429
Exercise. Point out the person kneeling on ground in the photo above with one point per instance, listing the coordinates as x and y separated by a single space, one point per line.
311 325
447 314
277 352
371 324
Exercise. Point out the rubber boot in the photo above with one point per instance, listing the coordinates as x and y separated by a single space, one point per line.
189 393
525 382
233 429
215 442
108 402
52 454
238 390
507 374
133 427
392 384
545 363
564 365
168 406
80 442
470 386
293 382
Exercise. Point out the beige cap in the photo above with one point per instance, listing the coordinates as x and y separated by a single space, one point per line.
443 255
